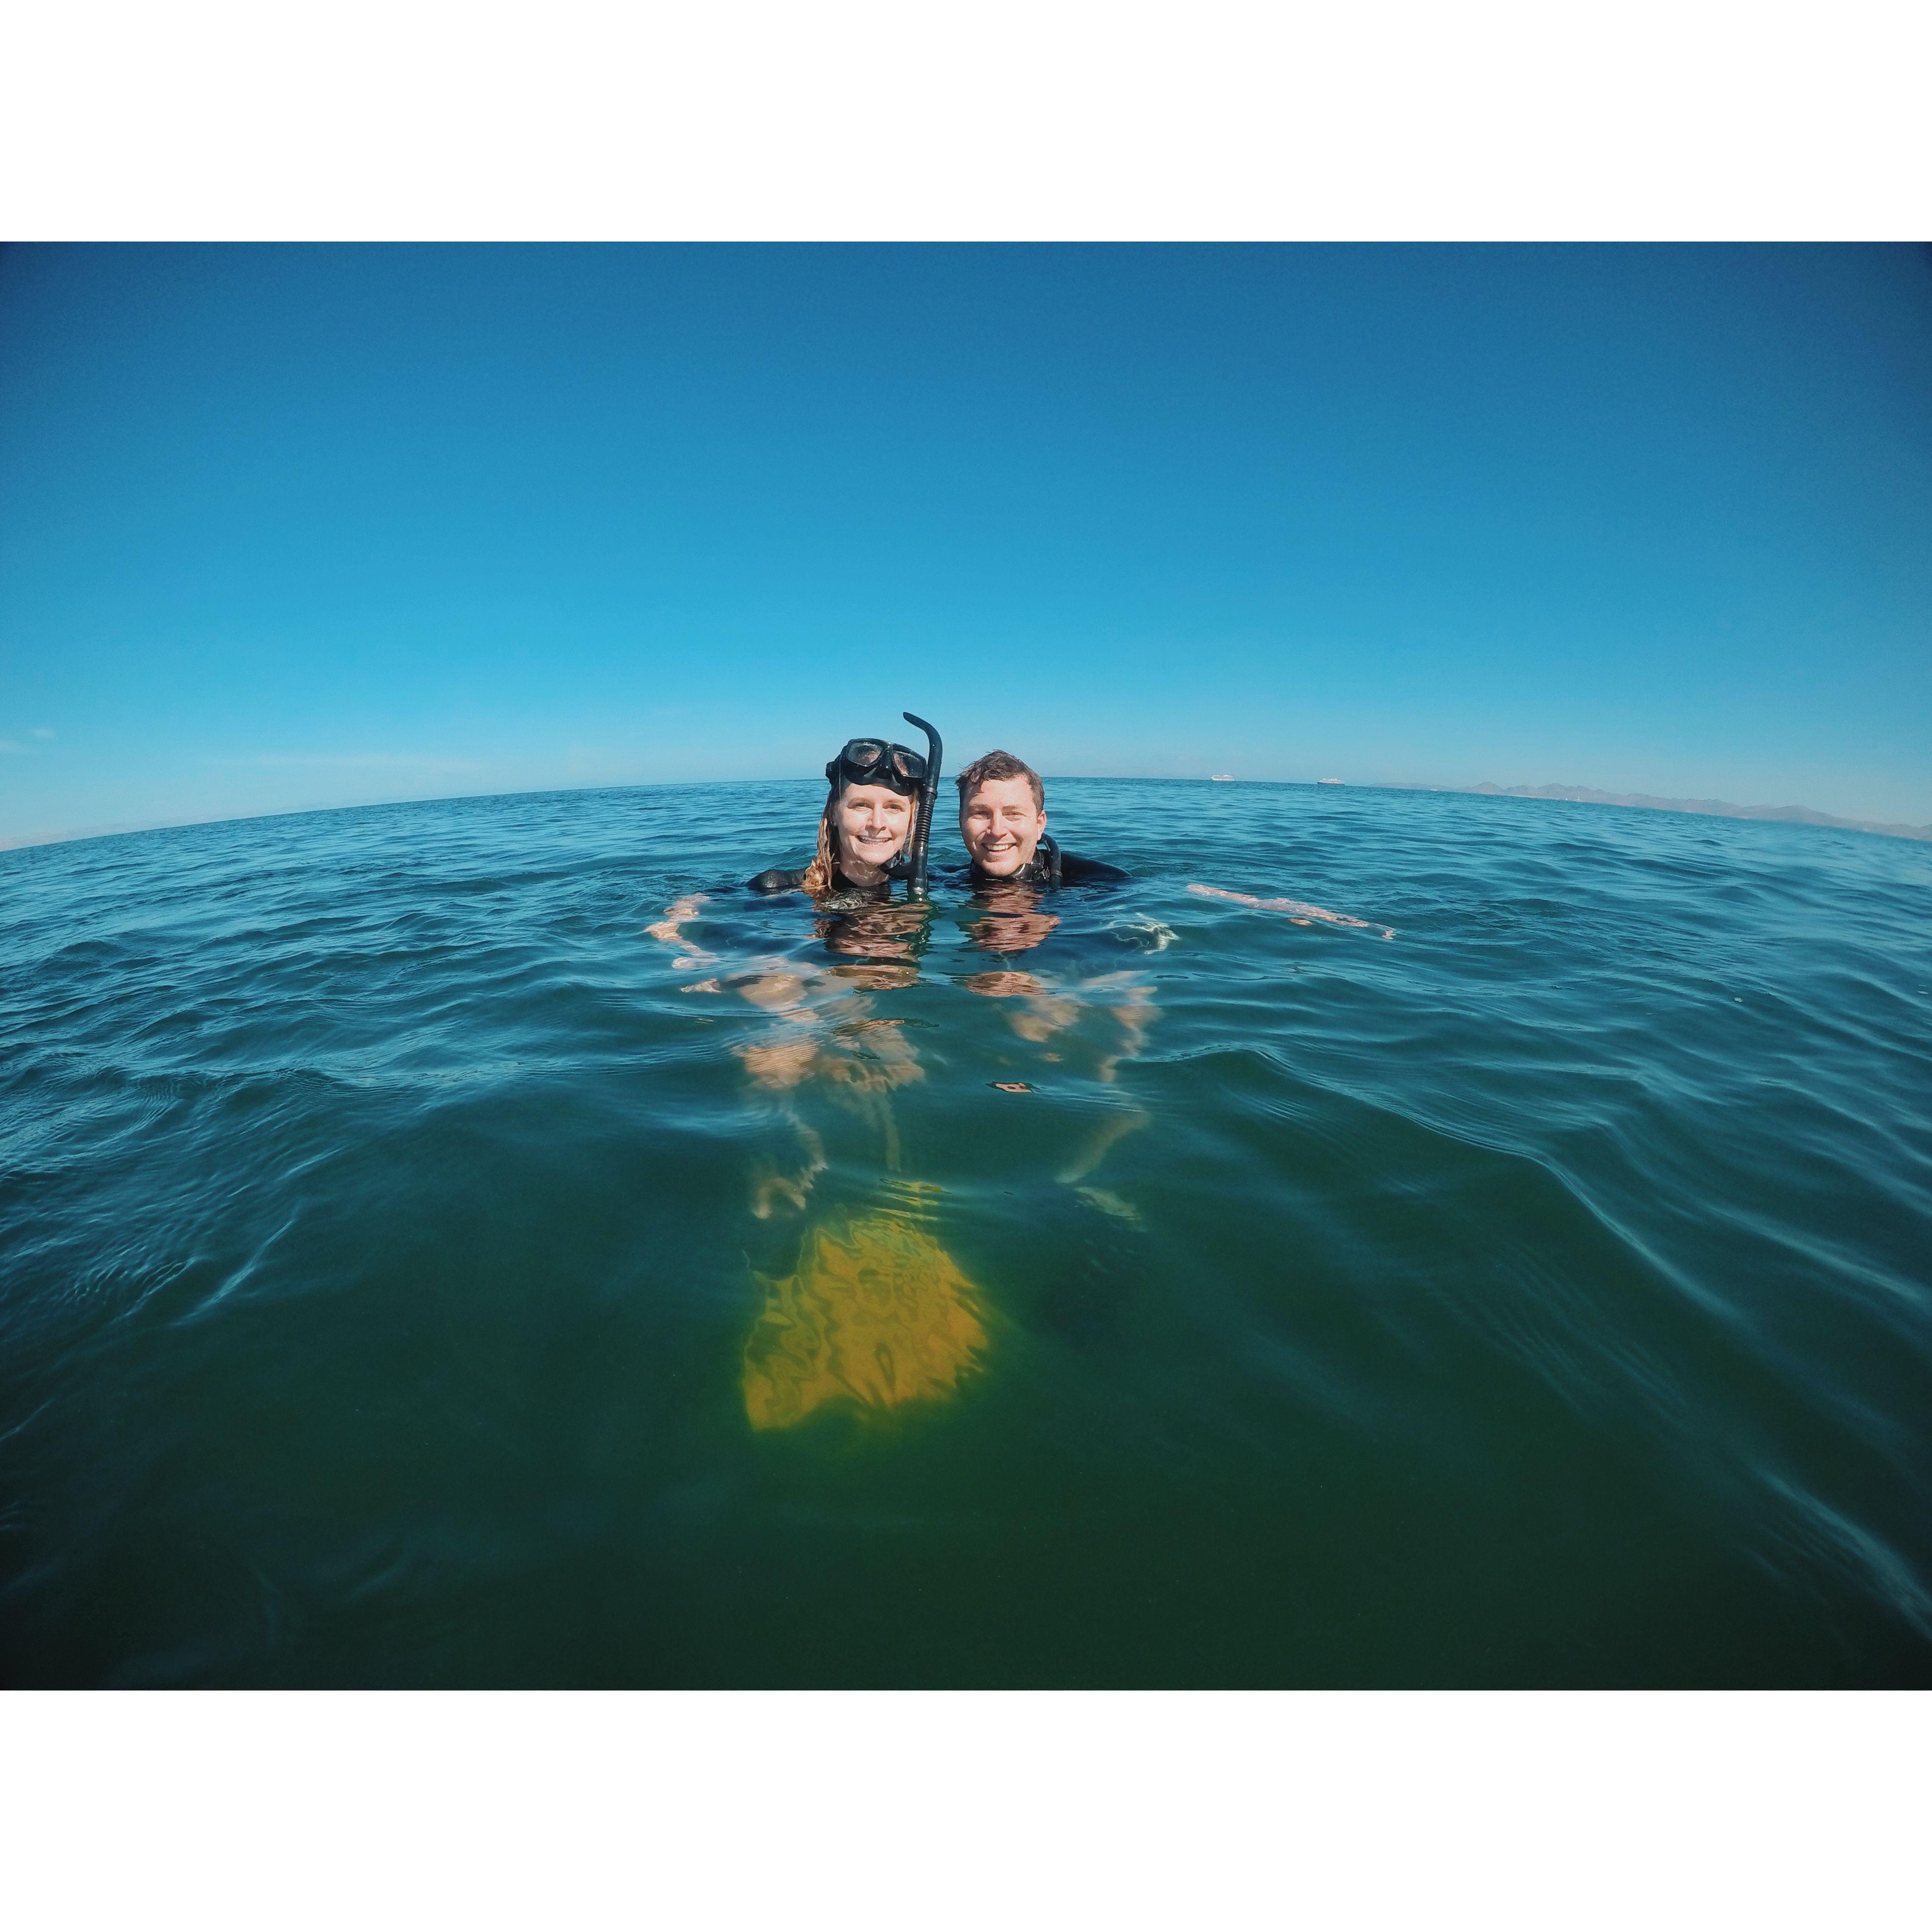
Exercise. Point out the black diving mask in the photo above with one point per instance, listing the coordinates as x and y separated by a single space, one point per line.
874 761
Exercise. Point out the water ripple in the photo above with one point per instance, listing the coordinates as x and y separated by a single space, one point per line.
1542 1295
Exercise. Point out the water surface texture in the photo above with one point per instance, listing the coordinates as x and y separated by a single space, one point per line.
415 1269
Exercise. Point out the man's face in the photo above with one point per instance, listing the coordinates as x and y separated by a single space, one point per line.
1001 826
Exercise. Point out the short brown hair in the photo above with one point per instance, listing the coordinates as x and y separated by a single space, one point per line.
991 766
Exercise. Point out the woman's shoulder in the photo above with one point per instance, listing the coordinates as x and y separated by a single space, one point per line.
839 890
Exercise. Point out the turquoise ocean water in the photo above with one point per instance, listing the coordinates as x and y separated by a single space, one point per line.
416 1270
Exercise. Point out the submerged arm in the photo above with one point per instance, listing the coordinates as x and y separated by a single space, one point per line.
1302 914
670 931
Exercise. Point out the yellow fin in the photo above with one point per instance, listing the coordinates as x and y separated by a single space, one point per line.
877 1314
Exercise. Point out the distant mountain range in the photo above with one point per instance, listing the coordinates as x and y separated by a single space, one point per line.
1716 807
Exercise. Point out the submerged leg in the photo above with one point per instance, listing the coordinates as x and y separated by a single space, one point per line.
1118 1124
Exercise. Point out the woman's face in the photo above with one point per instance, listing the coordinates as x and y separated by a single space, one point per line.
873 822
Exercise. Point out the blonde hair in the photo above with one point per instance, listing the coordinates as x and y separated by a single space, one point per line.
817 879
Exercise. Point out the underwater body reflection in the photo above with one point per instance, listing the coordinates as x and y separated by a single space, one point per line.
875 1313
1047 1012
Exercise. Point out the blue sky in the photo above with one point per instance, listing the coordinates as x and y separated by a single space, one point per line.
289 527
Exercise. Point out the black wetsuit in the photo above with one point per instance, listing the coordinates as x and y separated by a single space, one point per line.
1048 866
775 879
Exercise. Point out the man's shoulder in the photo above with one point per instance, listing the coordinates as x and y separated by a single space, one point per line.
1069 869
1076 871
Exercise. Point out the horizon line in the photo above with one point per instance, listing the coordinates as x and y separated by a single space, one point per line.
1786 814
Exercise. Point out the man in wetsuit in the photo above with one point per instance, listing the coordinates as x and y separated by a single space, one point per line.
1015 863
1003 820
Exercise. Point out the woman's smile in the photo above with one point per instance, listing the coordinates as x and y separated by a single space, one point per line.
873 822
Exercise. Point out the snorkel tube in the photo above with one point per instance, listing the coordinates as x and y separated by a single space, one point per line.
928 791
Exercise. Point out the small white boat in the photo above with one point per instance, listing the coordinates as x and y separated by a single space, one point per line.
1221 778
1330 781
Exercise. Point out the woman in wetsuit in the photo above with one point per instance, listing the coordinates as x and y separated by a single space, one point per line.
878 815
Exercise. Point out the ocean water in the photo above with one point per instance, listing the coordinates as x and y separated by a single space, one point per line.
415 1270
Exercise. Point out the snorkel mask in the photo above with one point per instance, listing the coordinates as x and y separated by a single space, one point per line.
875 761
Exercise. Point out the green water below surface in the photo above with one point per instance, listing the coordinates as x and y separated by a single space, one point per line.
413 1270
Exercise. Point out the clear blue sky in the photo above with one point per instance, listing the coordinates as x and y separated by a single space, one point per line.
291 527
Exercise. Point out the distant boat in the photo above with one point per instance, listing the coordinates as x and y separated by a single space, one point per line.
1330 781
1221 778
